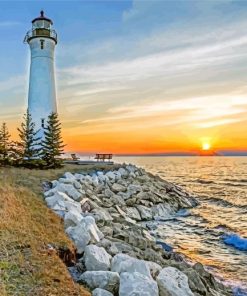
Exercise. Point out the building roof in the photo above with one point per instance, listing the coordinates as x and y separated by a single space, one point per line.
42 17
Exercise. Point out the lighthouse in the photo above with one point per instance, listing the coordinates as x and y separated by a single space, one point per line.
42 40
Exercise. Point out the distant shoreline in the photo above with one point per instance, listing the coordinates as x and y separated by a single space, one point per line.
178 155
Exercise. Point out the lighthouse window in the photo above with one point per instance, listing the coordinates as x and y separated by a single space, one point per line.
42 123
42 44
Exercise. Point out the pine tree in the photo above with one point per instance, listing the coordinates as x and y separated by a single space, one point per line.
52 144
5 145
30 146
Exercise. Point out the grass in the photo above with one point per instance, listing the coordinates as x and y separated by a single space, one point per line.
28 266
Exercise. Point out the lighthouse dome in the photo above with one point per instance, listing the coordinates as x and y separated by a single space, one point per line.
41 27
42 19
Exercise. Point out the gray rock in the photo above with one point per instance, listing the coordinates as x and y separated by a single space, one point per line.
102 216
101 292
133 189
124 173
118 200
154 268
66 181
125 263
106 280
137 284
173 282
143 195
118 188
133 213
131 201
119 247
161 211
96 258
125 195
145 212
107 230
108 193
195 282
111 176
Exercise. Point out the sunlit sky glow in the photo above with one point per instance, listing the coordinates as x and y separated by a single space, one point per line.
136 76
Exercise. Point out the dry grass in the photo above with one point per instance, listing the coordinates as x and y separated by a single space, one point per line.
27 226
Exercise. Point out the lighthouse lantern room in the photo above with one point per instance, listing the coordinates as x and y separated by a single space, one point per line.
42 39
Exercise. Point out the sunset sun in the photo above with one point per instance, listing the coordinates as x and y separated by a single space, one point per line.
206 146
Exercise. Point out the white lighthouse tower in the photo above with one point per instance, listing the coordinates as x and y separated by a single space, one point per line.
42 40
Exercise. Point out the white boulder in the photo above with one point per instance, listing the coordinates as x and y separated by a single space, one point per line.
111 175
68 175
84 232
96 258
106 280
69 189
72 218
88 180
173 282
92 229
79 236
137 284
124 263
60 201
123 172
101 292
77 185
52 200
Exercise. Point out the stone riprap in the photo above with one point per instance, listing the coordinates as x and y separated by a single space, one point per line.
104 214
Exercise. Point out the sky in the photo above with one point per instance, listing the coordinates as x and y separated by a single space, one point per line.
136 76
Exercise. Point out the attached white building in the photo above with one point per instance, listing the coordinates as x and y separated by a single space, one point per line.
42 40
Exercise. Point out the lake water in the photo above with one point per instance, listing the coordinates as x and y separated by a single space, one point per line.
215 232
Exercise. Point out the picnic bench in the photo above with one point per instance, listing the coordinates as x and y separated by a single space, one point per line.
74 157
103 157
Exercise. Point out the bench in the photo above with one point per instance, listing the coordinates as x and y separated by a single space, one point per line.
103 157
74 157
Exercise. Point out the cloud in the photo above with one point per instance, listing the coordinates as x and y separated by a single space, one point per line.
200 112
4 24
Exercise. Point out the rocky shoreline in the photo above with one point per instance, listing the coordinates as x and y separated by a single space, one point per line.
104 213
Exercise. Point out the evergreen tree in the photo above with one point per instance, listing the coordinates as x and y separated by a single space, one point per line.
5 145
52 144
30 146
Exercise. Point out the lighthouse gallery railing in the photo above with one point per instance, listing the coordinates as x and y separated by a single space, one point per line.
40 33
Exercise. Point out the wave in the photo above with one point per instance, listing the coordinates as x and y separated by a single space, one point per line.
221 202
165 246
201 181
235 184
235 180
239 292
183 213
235 241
